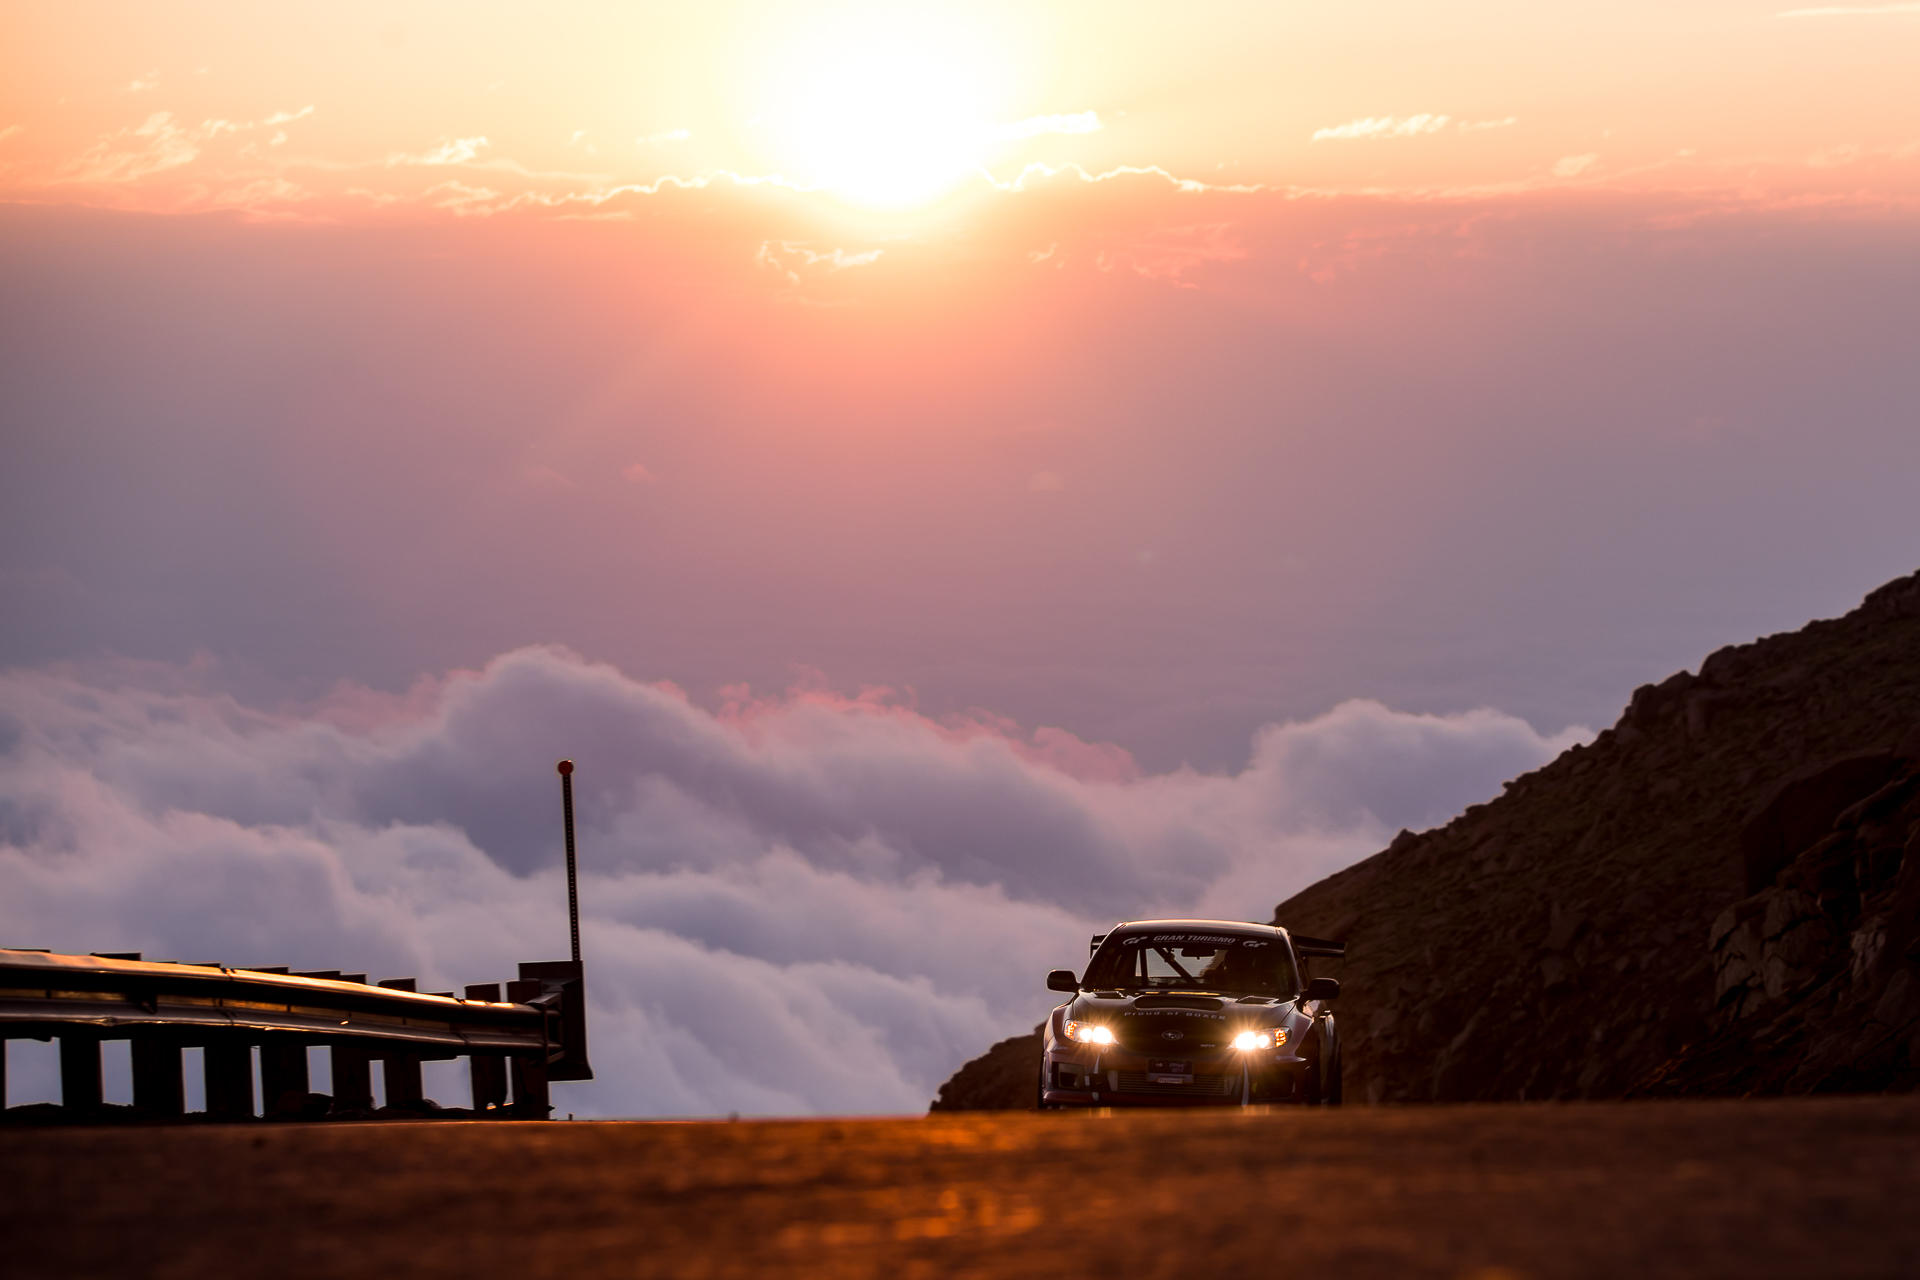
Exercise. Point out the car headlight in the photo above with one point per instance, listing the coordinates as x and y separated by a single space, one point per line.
1273 1038
1089 1033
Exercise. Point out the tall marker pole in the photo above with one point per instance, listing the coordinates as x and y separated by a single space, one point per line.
573 877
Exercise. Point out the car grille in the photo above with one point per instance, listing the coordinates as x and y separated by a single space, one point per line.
1202 1086
1148 1034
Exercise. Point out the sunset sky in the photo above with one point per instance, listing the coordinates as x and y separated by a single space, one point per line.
1170 446
338 111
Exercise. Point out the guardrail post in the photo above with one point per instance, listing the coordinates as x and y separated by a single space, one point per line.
570 1034
529 1074
352 1078
402 1071
573 878
283 1070
79 1070
488 1071
530 1089
229 1067
159 1085
489 1074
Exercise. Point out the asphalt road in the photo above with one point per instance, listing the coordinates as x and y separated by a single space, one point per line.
1822 1188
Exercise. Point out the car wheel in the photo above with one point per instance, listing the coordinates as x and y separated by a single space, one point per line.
1320 1082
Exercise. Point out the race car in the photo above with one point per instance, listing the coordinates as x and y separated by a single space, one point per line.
1193 1013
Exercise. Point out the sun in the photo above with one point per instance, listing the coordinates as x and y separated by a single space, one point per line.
888 109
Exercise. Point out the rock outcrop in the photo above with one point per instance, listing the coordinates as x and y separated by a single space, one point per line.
1815 986
1717 895
1001 1079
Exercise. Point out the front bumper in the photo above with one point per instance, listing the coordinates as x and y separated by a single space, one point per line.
1121 1078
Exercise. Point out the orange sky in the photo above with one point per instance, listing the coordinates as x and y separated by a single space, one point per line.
346 110
1153 372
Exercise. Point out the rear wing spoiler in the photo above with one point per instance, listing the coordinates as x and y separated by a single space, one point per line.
1302 945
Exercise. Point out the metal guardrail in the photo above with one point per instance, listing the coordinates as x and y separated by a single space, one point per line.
535 1034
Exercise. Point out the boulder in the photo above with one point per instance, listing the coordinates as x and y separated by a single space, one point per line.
1803 808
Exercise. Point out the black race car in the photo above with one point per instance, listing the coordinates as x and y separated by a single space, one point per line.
1194 1013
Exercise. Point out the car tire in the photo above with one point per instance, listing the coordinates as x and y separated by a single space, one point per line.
1320 1085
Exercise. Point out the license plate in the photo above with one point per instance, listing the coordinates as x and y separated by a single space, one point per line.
1162 1071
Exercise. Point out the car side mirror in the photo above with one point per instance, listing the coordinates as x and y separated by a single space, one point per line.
1323 989
1062 980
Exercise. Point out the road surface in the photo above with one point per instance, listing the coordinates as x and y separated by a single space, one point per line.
1827 1188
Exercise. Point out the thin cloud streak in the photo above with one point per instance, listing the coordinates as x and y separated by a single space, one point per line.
451 151
1383 127
159 142
794 262
1850 11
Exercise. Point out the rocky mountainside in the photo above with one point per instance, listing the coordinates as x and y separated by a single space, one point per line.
1720 894
1000 1079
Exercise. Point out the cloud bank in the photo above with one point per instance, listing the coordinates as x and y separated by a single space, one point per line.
810 903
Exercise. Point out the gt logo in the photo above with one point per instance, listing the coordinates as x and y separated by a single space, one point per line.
1173 1035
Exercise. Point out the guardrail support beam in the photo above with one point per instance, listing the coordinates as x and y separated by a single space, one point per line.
229 1067
159 1085
352 1078
79 1070
530 1088
489 1074
283 1071
402 1071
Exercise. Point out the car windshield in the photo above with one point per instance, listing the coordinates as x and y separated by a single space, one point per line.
1191 961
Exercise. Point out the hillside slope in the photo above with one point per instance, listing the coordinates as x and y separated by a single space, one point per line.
1671 909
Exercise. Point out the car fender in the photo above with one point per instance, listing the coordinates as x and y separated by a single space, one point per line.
1056 1026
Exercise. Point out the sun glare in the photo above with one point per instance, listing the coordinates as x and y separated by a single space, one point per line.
886 110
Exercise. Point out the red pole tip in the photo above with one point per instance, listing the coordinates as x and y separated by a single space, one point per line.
565 767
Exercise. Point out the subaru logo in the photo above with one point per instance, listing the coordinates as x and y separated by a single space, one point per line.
1173 1035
